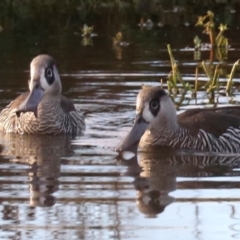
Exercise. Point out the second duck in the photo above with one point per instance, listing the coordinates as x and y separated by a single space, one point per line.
157 125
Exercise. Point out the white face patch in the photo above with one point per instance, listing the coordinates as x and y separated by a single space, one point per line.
143 106
39 73
147 115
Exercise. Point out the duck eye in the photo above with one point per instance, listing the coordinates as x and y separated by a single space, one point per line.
49 75
154 104
49 72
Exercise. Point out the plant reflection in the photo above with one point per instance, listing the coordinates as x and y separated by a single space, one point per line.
155 176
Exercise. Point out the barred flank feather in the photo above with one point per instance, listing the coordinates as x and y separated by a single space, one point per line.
228 142
51 120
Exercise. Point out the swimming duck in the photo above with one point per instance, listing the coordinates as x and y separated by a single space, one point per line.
157 125
42 110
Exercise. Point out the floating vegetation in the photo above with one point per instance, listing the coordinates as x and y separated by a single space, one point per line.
118 40
87 31
118 43
146 24
87 34
197 42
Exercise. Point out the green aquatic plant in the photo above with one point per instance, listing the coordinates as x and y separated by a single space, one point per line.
221 41
117 45
213 72
194 91
87 34
117 39
207 22
213 84
230 79
197 42
175 76
86 31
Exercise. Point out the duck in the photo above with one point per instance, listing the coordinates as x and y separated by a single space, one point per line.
43 109
157 125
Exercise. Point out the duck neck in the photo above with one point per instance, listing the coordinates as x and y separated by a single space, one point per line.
161 132
50 105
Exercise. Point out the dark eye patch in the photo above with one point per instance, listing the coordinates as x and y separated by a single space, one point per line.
49 75
154 106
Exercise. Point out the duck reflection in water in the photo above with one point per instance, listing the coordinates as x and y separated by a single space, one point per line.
155 176
43 155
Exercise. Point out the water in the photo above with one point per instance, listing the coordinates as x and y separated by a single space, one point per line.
61 188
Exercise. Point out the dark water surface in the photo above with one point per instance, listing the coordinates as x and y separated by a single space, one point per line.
61 188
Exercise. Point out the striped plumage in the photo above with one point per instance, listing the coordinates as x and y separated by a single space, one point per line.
43 110
182 138
157 124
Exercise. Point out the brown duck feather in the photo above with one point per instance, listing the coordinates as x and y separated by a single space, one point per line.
215 121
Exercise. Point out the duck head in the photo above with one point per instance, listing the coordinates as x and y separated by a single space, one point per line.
44 81
154 109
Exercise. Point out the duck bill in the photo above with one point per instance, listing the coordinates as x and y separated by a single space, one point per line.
130 142
30 104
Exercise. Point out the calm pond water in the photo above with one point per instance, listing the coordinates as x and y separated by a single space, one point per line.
61 188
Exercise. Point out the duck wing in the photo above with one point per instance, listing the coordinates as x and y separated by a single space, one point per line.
17 101
214 120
